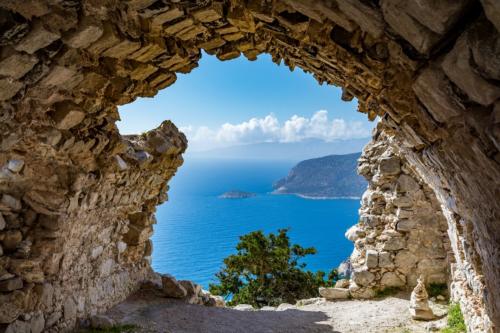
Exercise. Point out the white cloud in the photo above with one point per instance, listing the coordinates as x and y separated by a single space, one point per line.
269 129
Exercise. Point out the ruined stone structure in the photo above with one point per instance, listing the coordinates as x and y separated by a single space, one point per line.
77 198
402 233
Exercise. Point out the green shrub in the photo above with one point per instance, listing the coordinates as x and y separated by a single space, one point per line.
266 271
436 289
456 323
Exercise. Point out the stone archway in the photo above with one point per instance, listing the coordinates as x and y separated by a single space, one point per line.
78 199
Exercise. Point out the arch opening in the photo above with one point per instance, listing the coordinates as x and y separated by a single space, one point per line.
262 129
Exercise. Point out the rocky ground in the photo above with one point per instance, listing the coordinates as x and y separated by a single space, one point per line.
151 313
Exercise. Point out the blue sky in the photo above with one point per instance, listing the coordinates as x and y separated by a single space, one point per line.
239 102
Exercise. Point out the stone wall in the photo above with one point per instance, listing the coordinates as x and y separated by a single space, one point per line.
430 69
402 233
72 251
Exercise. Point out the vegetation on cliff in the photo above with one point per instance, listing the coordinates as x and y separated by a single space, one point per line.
456 323
266 271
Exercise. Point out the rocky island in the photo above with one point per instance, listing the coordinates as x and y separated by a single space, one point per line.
235 194
332 176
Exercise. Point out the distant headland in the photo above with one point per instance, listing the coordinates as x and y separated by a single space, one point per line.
329 177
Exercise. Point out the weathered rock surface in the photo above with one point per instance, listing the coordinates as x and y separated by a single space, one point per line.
429 70
334 293
186 290
402 230
101 322
172 288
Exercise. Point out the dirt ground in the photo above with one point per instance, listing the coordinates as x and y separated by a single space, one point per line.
151 313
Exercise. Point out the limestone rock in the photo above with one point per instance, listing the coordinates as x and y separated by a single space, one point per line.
63 78
70 309
244 307
391 279
371 258
284 307
193 291
407 184
122 165
9 88
363 278
219 301
267 308
11 306
433 89
457 67
37 323
359 292
390 166
53 318
87 32
342 283
11 285
419 36
334 293
101 322
38 38
12 238
172 288
354 233
406 225
385 260
15 165
17 65
394 243
10 203
18 327
208 299
67 117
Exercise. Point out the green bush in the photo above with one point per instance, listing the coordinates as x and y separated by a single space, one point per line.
266 271
456 323
436 289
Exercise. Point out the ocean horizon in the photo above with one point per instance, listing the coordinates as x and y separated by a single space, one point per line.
196 229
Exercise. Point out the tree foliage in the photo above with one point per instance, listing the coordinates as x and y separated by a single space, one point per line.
266 270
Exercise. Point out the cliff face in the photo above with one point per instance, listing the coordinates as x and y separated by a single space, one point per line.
325 177
77 199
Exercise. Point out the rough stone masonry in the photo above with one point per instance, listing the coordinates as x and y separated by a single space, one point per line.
402 232
77 199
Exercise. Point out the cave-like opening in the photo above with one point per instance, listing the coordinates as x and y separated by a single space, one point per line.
248 137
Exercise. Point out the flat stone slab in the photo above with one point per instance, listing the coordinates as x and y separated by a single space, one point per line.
334 293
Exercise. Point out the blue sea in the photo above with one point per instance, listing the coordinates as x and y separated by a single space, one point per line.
196 230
